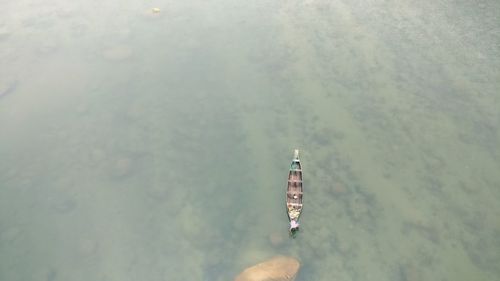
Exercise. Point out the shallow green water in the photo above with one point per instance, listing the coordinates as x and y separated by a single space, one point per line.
141 146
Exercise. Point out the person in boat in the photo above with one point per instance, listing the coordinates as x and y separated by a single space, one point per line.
294 225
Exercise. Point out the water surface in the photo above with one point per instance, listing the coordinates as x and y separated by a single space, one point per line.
142 146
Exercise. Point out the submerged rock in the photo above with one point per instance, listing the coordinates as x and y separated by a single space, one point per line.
339 188
279 268
64 206
10 234
45 273
48 47
97 156
117 53
158 192
87 247
410 272
122 167
7 86
4 33
277 238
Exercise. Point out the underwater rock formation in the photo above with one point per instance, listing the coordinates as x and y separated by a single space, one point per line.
279 268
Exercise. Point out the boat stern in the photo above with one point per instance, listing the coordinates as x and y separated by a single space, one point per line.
294 225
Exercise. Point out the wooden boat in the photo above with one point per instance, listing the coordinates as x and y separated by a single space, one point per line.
294 192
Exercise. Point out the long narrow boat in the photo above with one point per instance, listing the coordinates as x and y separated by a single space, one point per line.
294 192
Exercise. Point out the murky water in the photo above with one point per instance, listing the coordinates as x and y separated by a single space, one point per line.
142 146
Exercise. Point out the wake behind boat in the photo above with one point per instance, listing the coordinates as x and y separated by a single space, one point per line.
294 192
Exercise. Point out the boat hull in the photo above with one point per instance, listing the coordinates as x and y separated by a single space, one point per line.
294 192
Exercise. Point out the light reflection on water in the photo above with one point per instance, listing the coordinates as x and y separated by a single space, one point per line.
147 146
